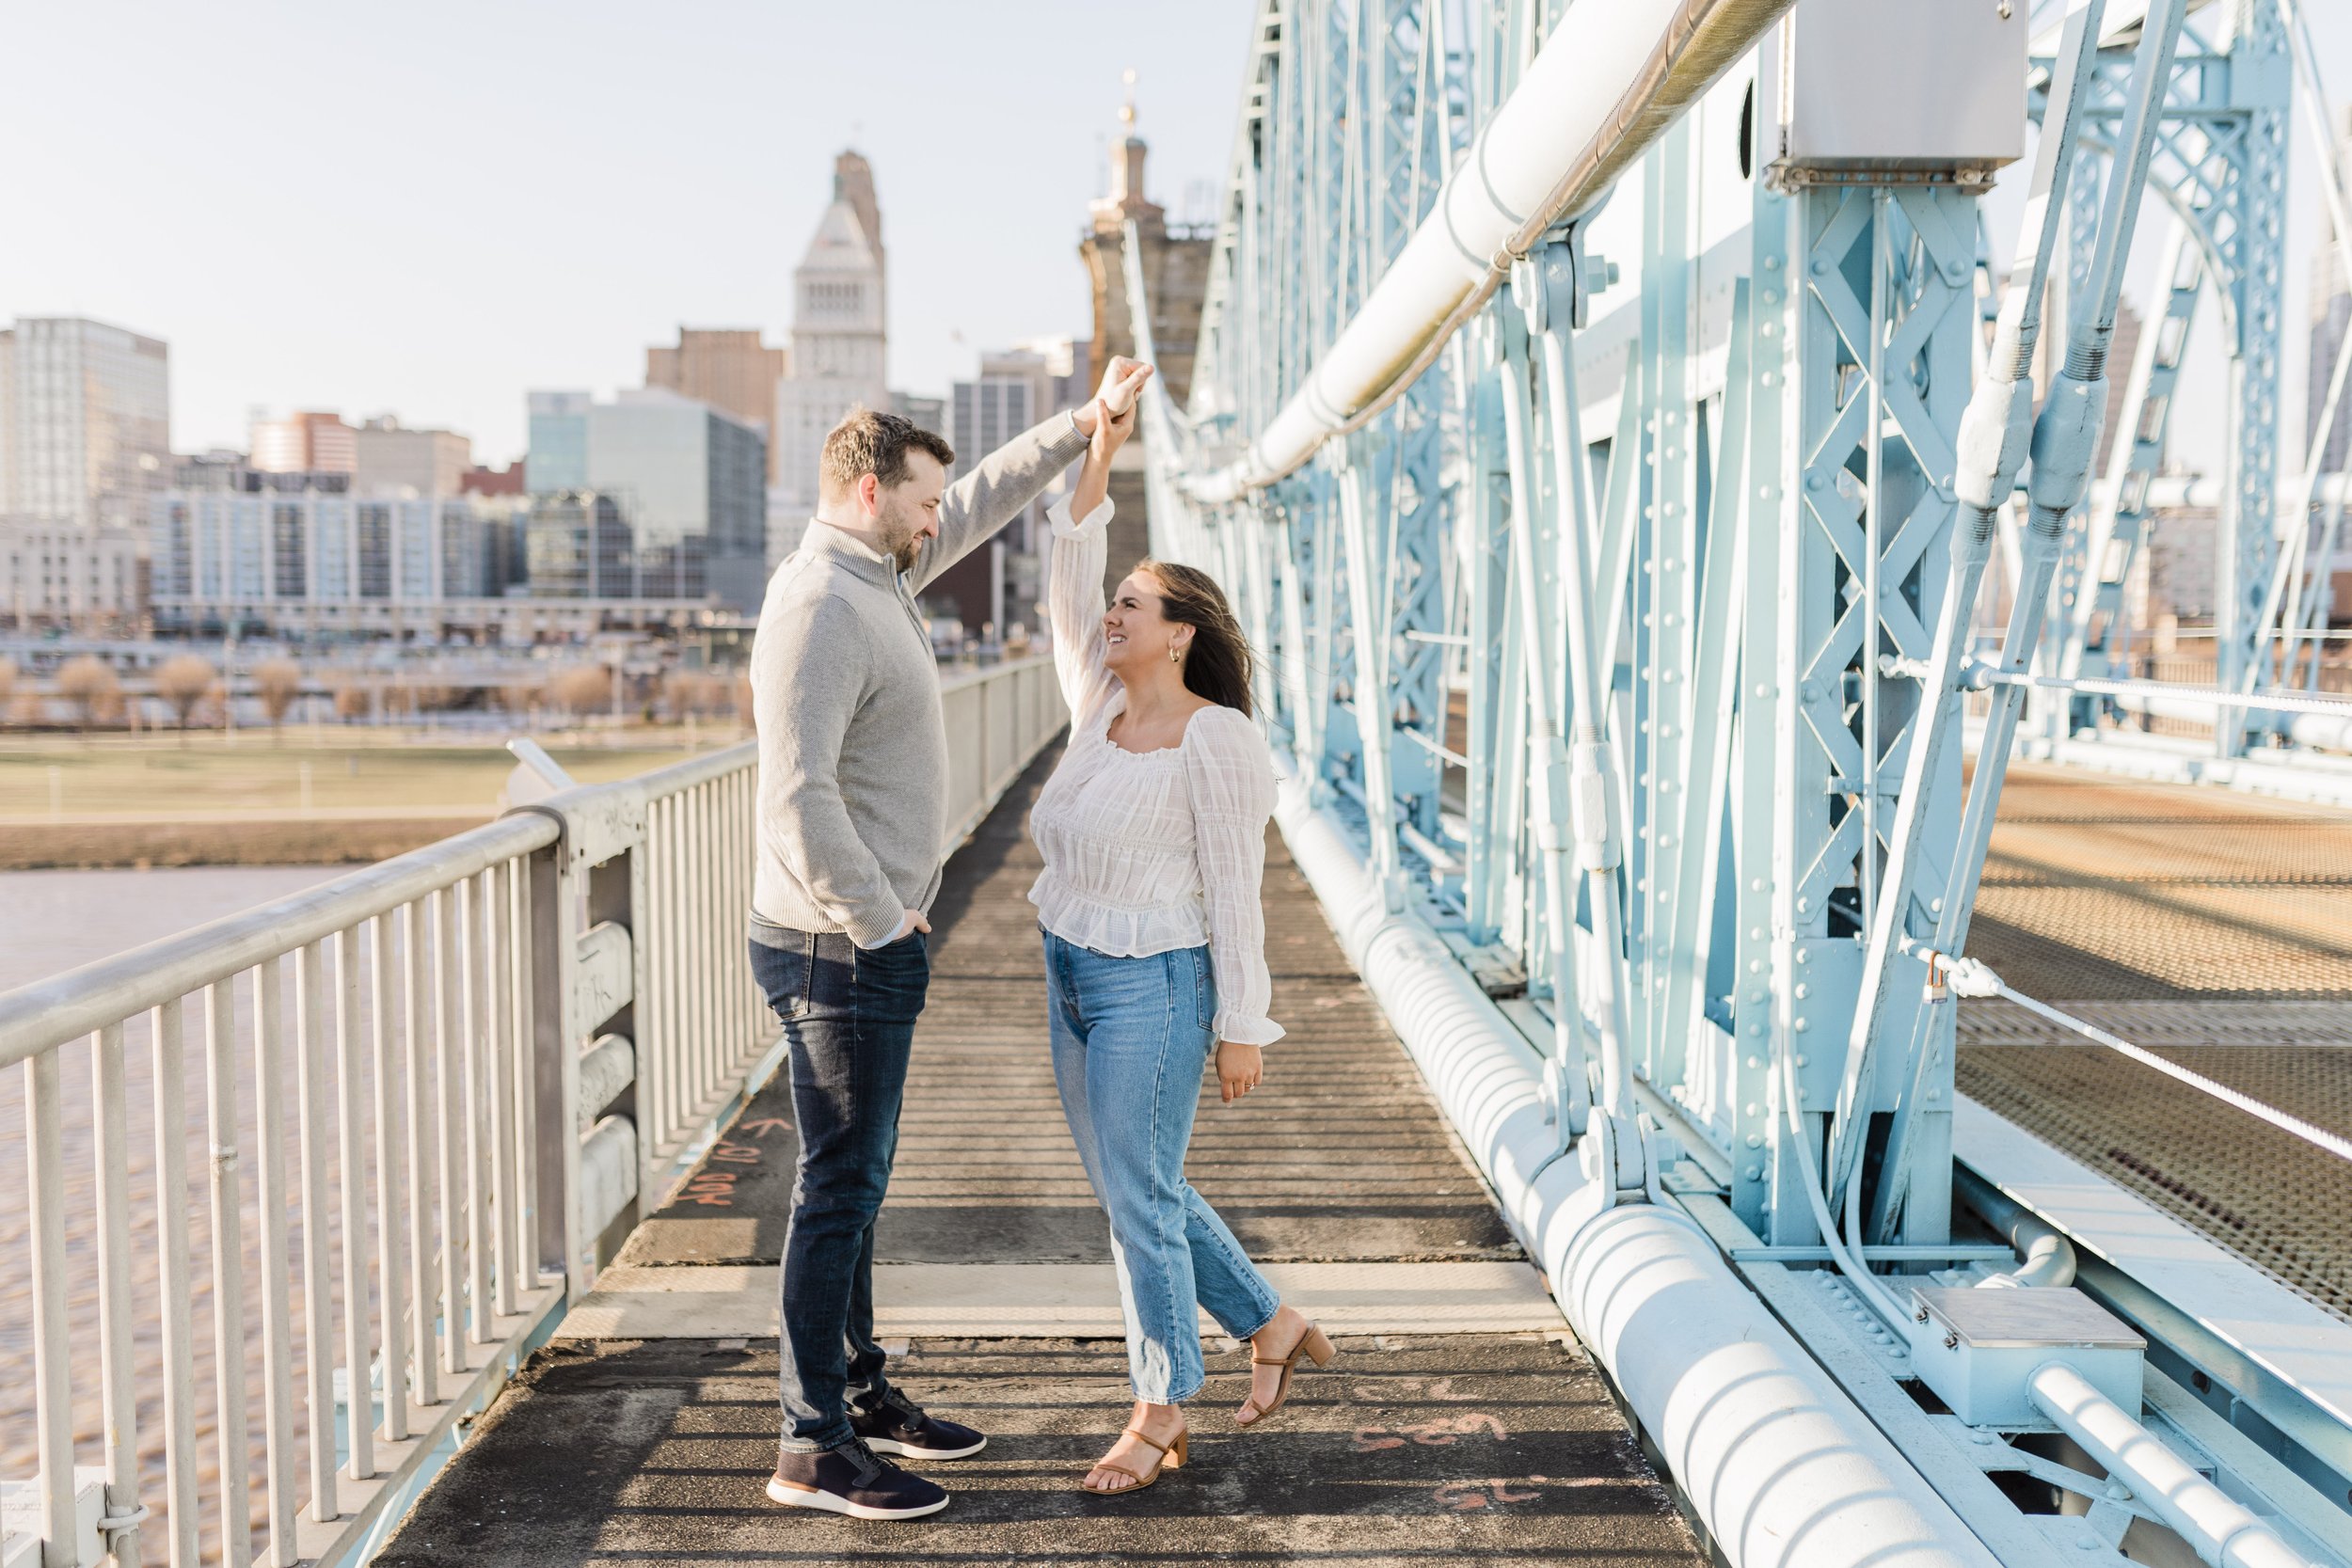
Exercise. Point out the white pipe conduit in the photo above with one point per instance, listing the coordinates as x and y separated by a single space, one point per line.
2049 1257
1782 1468
1599 93
2220 1529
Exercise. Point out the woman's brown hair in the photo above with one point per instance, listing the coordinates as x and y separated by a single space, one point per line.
1217 665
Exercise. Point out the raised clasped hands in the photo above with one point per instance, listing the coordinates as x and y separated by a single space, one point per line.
1109 417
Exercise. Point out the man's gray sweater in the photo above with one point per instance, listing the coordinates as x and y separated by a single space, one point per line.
845 694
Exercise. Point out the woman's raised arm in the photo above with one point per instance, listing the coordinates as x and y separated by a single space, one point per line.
1073 602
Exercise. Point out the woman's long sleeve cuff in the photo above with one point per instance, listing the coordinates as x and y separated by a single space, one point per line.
1248 1031
1058 516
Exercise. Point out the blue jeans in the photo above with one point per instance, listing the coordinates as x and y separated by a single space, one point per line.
1131 1036
849 1019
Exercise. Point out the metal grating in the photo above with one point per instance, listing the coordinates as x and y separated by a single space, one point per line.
2216 929
2138 941
2040 792
2097 889
2302 851
2277 1202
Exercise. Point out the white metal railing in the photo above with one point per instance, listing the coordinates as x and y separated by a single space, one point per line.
997 720
432 1092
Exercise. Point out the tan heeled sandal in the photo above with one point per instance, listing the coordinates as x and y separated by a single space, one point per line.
1171 1458
1315 1344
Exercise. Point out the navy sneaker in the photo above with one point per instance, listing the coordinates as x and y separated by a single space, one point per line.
899 1425
855 1480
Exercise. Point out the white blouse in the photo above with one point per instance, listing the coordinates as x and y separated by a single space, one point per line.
1151 852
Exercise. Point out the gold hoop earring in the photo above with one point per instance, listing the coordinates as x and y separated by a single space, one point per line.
1173 655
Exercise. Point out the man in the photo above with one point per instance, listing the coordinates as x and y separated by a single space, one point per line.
851 810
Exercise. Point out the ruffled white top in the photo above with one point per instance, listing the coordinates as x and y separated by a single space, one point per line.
1149 852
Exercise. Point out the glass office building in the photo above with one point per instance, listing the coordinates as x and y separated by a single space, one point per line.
85 422
688 482
558 459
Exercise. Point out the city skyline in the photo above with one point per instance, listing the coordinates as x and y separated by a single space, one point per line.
489 234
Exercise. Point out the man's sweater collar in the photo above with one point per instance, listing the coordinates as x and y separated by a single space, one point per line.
854 554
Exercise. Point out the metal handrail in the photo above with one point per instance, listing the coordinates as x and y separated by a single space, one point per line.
1973 977
56 1011
437 1178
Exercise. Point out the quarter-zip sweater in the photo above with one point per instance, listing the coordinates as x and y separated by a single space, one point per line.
852 802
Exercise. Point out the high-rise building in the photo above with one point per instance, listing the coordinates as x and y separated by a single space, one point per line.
998 585
688 481
1175 267
310 442
558 458
85 421
2332 317
483 480
235 546
730 370
929 413
393 460
839 345
693 482
65 576
1071 363
577 545
306 555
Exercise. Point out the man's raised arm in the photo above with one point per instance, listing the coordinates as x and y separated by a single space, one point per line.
1015 474
994 493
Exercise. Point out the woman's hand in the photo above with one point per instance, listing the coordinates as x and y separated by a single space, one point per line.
1239 1067
1115 405
1108 421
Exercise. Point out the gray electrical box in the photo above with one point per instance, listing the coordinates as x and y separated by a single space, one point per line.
1926 89
1976 1347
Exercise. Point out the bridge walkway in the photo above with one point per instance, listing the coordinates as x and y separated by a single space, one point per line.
1462 1424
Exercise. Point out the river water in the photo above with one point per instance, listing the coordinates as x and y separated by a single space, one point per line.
52 922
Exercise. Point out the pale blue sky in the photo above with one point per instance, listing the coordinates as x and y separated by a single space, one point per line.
429 209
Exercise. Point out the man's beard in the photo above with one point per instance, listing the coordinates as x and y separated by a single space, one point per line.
902 540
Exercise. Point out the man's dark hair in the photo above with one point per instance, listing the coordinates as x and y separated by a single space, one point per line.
866 442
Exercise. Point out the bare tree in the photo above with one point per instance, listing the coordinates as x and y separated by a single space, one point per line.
582 690
694 692
7 681
91 685
182 681
278 683
353 700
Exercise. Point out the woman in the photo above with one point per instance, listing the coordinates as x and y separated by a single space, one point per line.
1153 829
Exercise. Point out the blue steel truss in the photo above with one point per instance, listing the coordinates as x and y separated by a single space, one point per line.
1659 721
1634 639
2221 166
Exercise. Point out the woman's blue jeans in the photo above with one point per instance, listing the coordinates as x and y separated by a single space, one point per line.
1131 1036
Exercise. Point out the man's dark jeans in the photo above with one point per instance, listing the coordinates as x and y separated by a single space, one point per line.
848 1019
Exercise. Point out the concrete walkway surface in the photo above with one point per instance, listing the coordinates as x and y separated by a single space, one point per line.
1462 1423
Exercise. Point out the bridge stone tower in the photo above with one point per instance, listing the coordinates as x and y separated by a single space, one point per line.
1175 271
